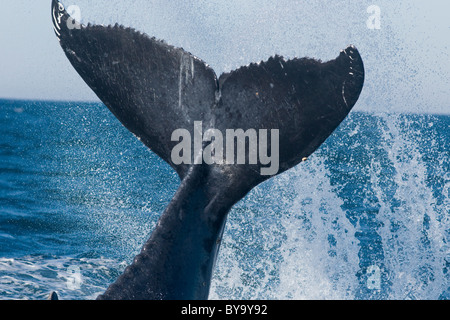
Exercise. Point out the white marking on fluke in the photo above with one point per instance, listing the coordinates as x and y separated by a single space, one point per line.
187 71
57 14
343 94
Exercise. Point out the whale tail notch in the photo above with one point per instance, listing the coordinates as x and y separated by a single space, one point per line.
155 89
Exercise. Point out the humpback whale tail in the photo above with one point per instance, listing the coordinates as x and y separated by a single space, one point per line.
163 93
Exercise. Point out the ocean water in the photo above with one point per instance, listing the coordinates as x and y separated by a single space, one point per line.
366 217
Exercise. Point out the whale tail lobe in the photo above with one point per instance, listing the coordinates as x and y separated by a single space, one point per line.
222 135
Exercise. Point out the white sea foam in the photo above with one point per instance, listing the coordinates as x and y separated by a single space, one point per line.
317 252
34 277
404 224
415 231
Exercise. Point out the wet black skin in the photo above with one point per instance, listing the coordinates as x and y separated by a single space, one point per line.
154 89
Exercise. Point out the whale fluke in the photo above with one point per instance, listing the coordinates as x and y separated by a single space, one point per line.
155 89
53 296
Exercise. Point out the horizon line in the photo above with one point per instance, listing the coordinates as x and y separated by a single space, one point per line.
99 101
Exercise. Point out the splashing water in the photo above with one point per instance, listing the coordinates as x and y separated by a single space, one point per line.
415 225
382 233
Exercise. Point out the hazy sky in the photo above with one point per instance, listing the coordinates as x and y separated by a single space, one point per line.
407 60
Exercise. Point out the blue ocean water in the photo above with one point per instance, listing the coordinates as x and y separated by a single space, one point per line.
366 217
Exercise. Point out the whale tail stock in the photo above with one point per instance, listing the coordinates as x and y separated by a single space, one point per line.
155 89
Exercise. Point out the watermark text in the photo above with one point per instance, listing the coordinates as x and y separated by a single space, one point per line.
208 147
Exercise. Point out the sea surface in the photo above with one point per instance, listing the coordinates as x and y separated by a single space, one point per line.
366 217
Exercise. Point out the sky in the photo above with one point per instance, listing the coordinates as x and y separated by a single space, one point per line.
407 57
